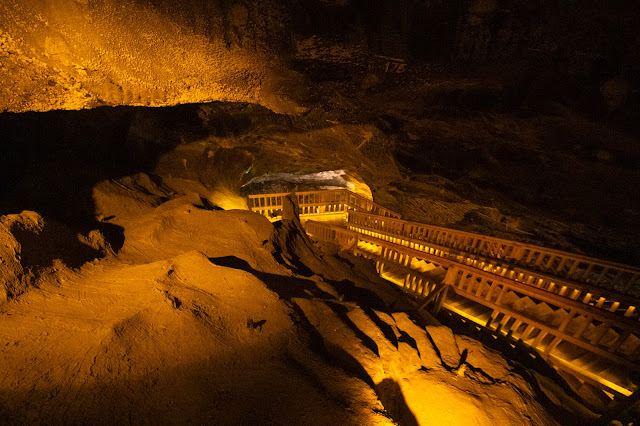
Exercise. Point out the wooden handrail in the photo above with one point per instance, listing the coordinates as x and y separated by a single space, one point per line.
562 287
483 269
532 291
487 288
569 266
323 201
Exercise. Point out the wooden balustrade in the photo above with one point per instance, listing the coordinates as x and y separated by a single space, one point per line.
309 203
489 291
566 275
389 252
505 282
422 285
528 260
612 316
574 321
591 295
323 202
324 232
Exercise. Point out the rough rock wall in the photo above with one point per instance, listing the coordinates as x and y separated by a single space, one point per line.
585 50
32 246
72 54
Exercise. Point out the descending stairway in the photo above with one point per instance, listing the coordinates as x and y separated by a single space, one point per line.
578 312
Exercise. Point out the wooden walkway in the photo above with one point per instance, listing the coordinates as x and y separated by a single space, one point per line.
570 308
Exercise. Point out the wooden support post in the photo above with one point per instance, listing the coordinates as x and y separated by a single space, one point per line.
464 280
470 243
527 332
501 295
572 270
441 299
572 313
503 322
586 273
600 334
552 258
494 285
538 340
425 286
561 265
527 260
514 327
619 341
554 343
493 316
601 276
432 296
583 327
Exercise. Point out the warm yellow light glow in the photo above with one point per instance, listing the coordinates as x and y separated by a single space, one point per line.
399 258
227 200
609 384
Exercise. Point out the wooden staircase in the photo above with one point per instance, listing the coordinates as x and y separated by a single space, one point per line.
577 312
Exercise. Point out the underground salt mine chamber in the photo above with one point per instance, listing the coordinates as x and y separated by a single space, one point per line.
319 212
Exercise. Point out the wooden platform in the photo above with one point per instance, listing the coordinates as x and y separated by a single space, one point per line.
570 308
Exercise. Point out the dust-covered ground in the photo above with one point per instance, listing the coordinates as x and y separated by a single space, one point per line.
217 316
140 289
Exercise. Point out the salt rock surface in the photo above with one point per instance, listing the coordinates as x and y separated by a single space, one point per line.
147 337
11 270
200 317
412 395
428 355
390 323
177 226
127 198
292 244
400 359
67 54
29 244
480 357
168 343
446 345
341 341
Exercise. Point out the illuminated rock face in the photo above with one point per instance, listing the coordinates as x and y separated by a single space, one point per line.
77 54
72 54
